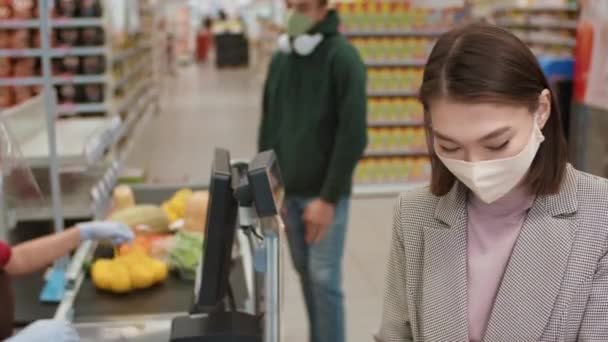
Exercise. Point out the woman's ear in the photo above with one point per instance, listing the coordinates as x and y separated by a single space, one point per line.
544 108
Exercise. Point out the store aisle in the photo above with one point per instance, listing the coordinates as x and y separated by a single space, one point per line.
204 108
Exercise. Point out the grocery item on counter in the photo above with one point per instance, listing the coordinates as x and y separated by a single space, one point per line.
195 212
133 271
143 218
123 197
175 207
186 252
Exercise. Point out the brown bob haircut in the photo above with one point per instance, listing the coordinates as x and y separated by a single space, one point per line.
482 63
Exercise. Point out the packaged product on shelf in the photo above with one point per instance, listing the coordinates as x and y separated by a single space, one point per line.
24 67
68 37
5 67
23 93
92 36
7 98
93 93
70 65
6 11
5 39
67 93
21 39
93 65
24 9
90 8
66 8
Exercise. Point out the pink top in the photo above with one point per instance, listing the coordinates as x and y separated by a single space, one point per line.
492 232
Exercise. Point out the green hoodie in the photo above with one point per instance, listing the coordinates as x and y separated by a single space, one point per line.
314 115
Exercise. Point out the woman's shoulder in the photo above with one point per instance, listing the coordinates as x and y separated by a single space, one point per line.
416 205
592 191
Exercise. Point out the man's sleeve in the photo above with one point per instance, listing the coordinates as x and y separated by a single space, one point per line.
5 254
350 79
264 122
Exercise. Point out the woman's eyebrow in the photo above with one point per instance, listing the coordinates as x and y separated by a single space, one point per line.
496 133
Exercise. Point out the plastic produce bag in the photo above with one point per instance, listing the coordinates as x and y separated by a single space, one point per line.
18 183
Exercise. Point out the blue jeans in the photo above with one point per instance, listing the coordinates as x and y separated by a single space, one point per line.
320 269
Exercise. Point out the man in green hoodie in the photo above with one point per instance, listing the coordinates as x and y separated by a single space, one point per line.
314 117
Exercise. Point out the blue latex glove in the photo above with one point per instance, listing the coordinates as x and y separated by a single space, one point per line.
117 233
47 330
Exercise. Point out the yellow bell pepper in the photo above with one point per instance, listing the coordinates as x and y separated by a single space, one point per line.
176 205
135 270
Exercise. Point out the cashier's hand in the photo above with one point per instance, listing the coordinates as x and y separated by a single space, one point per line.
116 232
47 330
318 216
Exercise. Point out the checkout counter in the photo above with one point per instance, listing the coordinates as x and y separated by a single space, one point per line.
148 314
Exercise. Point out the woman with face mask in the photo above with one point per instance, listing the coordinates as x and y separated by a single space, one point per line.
509 242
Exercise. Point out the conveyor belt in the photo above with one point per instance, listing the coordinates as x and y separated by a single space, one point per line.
173 296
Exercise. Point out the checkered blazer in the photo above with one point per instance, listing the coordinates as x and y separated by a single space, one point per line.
555 287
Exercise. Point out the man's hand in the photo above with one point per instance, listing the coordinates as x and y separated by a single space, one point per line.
318 216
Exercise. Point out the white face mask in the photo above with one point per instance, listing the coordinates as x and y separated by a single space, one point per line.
492 179
303 44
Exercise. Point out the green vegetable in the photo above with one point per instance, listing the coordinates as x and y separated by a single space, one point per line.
186 253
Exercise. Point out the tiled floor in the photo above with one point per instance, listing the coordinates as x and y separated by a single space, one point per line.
204 108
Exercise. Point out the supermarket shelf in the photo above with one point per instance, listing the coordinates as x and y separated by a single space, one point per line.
81 142
76 108
56 52
569 8
19 24
29 81
78 51
386 189
20 52
122 55
398 93
22 81
403 63
131 98
76 198
134 71
77 22
400 33
561 24
79 79
550 41
395 124
395 153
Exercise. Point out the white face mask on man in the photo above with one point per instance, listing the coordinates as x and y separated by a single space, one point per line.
492 179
